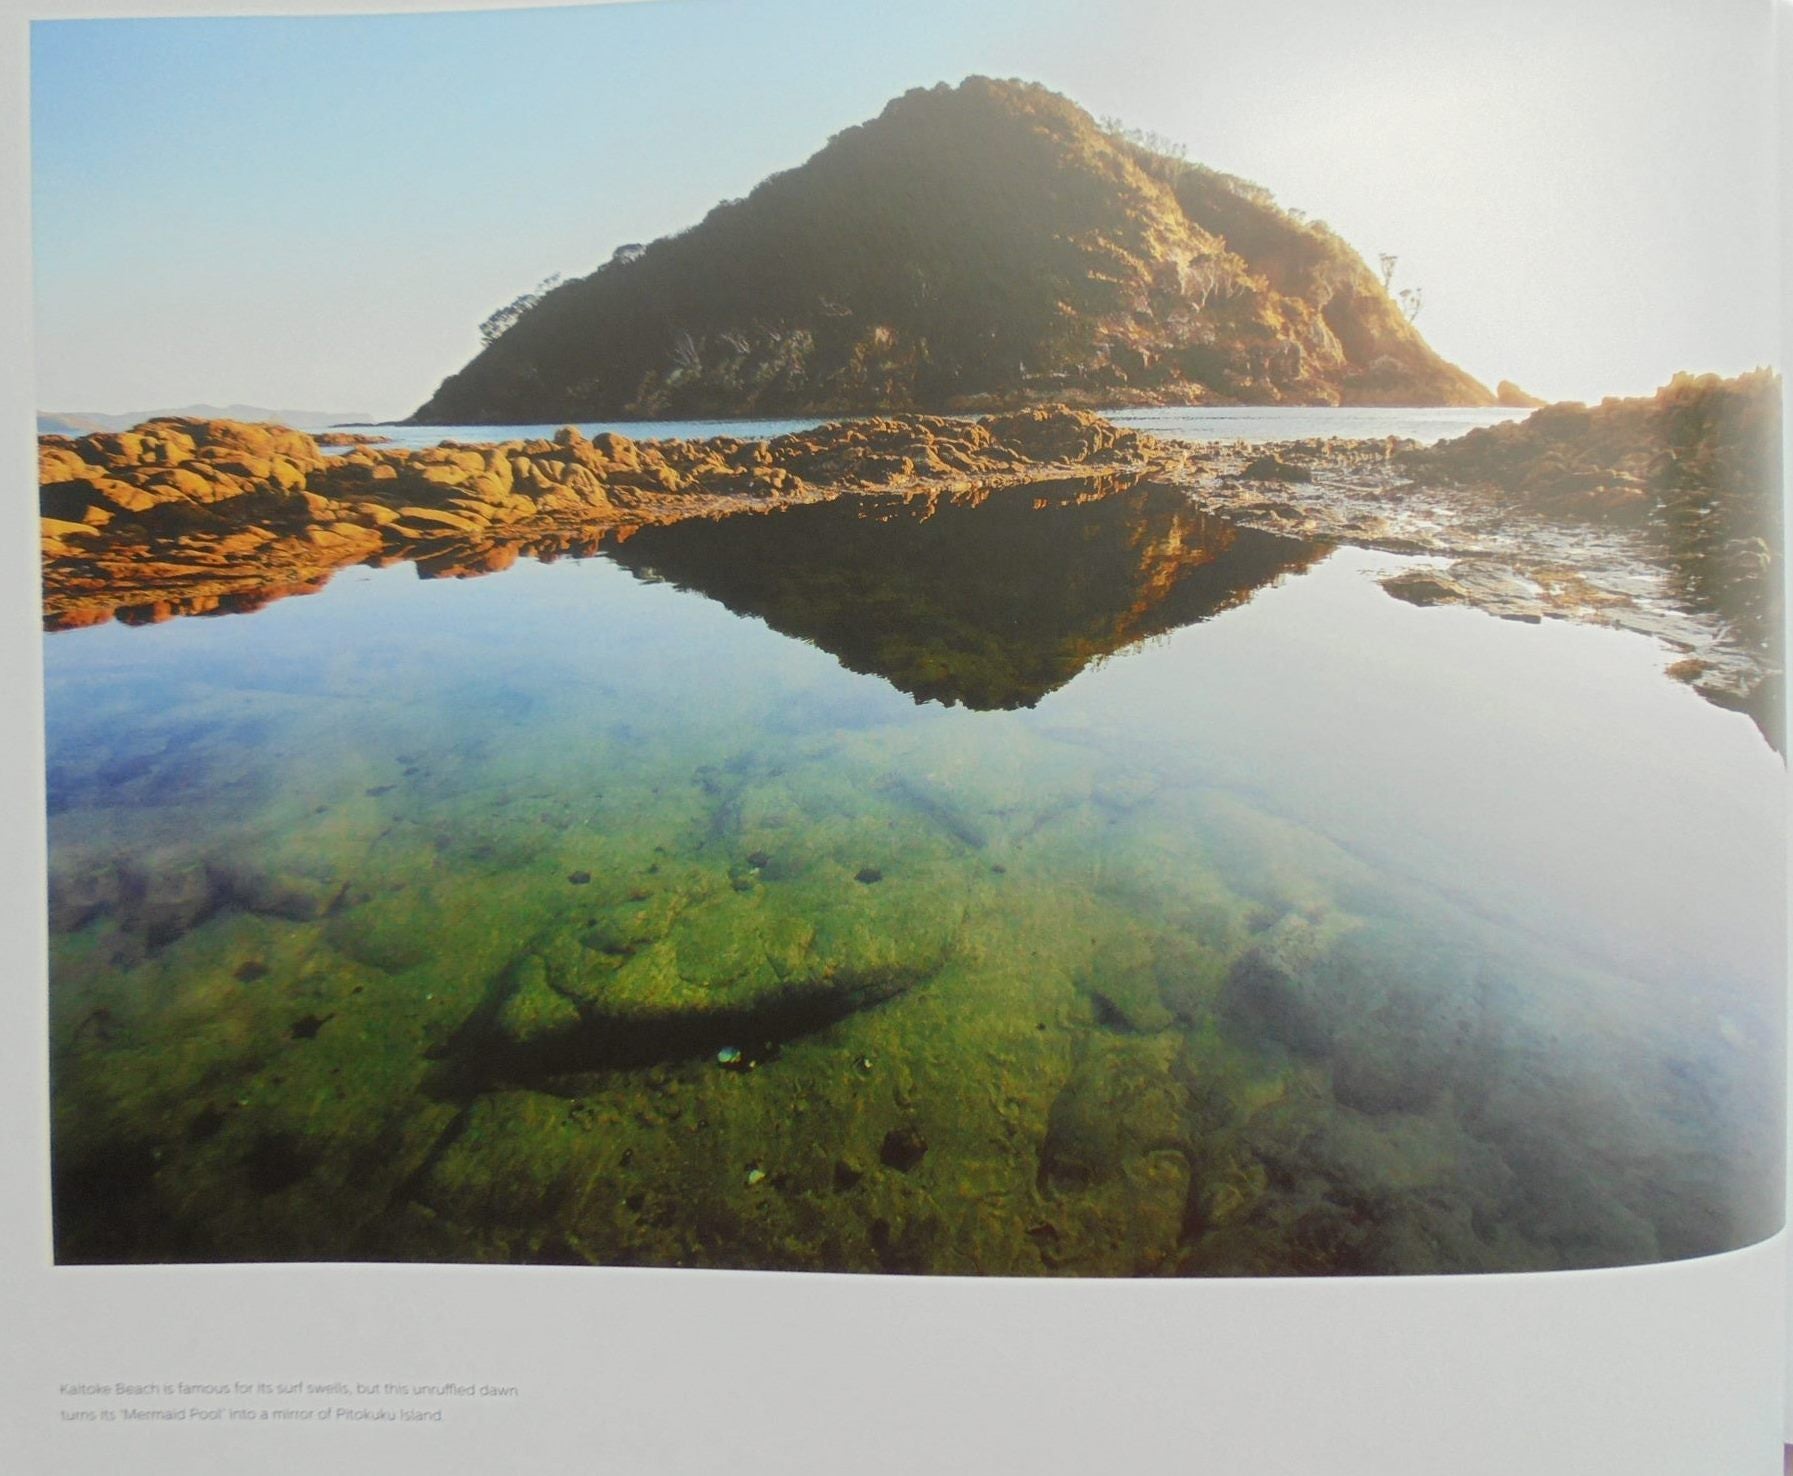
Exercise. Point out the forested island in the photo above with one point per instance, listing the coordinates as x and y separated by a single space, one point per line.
974 247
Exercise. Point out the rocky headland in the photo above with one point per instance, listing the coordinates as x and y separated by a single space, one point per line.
972 248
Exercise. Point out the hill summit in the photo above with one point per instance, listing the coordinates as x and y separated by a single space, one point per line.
976 247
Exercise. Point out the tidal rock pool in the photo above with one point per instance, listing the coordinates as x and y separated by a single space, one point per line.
1061 881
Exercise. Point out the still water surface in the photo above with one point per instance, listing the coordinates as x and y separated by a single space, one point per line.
1257 423
1045 886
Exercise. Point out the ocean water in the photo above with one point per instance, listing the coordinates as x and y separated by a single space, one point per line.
1269 423
416 436
1045 887
1255 423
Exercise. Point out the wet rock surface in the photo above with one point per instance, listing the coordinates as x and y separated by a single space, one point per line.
1692 474
194 517
1473 582
1655 516
1652 516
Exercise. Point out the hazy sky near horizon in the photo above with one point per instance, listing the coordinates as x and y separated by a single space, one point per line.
317 212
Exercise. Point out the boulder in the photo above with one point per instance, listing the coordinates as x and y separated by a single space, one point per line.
1270 468
1392 1010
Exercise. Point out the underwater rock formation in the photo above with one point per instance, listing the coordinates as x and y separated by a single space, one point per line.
706 958
1394 1018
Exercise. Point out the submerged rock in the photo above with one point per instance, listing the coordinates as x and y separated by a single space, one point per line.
903 1149
1270 468
1276 988
1121 1103
1394 1014
533 1009
162 896
701 968
384 932
1123 983
80 893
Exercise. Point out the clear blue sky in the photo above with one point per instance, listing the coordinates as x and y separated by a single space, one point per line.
317 212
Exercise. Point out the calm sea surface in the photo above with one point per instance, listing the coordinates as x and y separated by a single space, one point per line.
1042 887
1259 423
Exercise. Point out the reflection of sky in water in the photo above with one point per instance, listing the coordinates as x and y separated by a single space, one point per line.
1544 773
1299 422
1548 775
1449 776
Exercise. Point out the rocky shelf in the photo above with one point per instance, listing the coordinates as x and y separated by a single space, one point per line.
184 516
1654 516
1494 549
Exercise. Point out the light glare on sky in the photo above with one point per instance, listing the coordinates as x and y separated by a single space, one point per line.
316 213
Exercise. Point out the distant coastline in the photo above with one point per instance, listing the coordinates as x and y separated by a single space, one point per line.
86 422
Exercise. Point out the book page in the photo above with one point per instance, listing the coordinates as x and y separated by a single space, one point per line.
992 737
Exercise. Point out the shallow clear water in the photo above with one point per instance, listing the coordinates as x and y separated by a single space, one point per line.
1257 423
1037 887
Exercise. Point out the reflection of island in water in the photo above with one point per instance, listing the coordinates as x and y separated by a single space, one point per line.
992 602
566 919
991 598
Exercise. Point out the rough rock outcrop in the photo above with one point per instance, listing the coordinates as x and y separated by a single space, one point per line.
1509 396
190 516
1696 467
